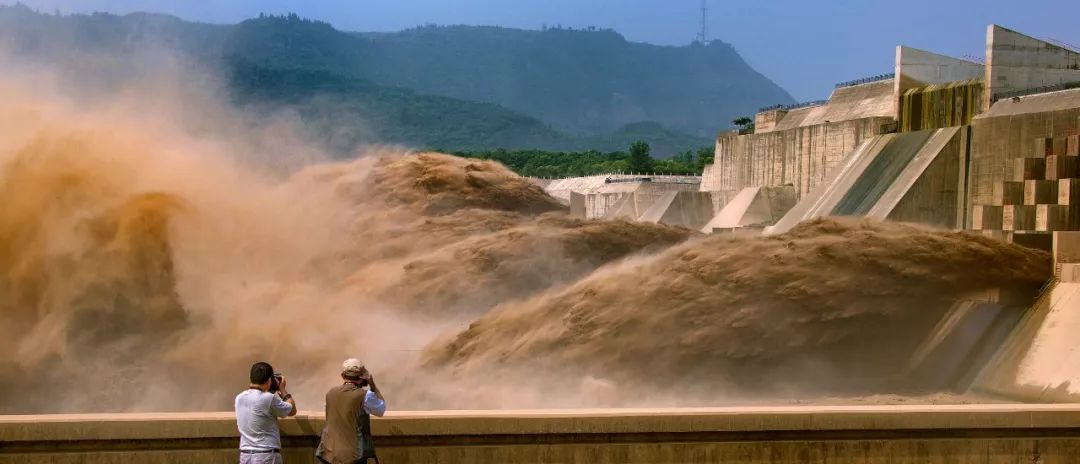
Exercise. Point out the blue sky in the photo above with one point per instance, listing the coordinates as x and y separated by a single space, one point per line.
805 46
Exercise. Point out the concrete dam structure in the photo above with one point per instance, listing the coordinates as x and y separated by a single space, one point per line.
900 177
950 143
928 143
752 209
992 149
800 146
811 147
610 196
983 153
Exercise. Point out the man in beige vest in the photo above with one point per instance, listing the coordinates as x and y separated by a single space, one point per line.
346 439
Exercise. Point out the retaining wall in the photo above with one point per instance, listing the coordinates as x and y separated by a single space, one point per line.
984 434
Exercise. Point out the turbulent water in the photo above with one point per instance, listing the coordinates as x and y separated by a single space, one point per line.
835 307
146 264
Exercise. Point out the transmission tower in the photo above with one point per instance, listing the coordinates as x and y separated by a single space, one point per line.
703 34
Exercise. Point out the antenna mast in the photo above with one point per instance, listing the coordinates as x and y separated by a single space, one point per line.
703 34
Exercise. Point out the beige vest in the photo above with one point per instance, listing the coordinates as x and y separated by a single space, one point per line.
347 436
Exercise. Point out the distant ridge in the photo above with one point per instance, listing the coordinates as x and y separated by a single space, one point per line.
556 89
577 80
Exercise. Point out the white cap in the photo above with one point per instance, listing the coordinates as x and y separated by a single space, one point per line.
352 366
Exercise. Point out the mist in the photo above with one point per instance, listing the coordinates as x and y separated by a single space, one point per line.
155 240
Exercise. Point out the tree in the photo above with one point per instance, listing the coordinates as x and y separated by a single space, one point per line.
640 159
540 163
704 156
686 157
746 125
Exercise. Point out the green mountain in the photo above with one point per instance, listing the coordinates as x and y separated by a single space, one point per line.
456 88
331 104
577 80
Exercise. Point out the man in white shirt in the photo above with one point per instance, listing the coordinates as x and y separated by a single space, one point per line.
257 411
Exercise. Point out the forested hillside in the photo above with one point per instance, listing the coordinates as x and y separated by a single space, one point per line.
453 88
577 80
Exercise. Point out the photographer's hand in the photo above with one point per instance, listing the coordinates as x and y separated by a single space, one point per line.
284 393
374 387
281 387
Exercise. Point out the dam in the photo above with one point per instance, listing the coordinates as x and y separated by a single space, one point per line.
737 287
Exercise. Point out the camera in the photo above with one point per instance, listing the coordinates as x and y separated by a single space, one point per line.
275 382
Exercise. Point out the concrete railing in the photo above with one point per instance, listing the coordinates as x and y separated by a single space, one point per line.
971 434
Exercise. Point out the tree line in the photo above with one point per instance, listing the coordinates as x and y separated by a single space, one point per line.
541 163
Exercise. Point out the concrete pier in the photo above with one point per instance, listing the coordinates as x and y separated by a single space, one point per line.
969 434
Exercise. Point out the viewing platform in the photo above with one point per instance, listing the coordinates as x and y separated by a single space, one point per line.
998 433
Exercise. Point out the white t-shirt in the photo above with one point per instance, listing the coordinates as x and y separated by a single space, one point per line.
256 418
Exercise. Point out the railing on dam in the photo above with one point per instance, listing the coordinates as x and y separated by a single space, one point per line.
866 80
615 178
777 435
794 106
1037 90
655 178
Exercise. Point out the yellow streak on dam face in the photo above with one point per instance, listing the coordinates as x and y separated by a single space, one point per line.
775 435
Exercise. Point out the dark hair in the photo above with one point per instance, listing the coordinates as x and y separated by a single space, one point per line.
261 372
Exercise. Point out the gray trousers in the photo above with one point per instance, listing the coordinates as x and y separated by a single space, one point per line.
263 458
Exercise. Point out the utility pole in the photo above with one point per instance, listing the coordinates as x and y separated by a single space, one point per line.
703 34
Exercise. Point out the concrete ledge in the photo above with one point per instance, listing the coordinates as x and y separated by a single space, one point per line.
610 435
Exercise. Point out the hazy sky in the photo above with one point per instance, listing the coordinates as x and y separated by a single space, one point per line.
806 46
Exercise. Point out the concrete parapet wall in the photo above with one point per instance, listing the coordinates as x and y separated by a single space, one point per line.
858 434
920 68
1015 62
917 68
766 120
871 100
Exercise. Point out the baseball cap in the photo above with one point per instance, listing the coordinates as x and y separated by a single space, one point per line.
352 367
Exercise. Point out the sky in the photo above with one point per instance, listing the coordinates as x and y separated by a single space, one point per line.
805 46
